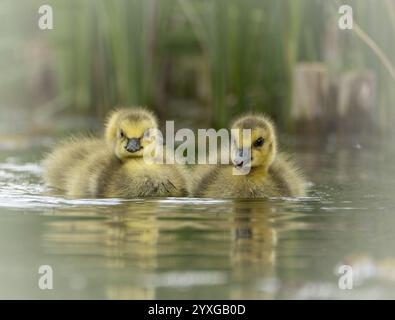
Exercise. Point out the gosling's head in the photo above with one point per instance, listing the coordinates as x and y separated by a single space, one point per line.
130 130
257 149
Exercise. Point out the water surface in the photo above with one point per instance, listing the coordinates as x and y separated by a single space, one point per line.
204 248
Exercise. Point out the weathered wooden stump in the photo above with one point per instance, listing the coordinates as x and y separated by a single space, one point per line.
325 105
355 102
309 97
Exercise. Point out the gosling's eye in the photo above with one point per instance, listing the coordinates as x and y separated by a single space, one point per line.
259 142
121 134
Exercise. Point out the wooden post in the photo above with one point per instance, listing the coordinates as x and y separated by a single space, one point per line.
309 96
323 104
355 101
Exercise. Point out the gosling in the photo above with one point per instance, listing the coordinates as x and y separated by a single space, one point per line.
270 174
114 166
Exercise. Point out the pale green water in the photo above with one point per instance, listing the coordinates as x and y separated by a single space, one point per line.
204 248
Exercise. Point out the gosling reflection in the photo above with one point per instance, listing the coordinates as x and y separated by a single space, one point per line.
253 252
153 249
119 246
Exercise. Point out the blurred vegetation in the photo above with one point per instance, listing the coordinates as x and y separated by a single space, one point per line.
217 57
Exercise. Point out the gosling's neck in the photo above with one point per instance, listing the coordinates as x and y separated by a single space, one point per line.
261 170
154 156
258 171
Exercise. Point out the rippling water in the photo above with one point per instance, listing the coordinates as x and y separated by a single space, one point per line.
204 248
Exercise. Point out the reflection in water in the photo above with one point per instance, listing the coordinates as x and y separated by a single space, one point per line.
253 245
162 246
204 248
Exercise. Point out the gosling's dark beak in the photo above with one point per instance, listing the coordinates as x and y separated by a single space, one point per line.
241 158
133 145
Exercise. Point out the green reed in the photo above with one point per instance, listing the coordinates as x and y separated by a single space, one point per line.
136 52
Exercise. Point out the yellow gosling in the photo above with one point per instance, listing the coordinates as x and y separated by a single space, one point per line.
114 166
271 174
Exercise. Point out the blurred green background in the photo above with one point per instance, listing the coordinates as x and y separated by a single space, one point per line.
198 61
201 63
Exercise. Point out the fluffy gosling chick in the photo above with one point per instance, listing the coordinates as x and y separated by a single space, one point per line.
115 166
270 174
